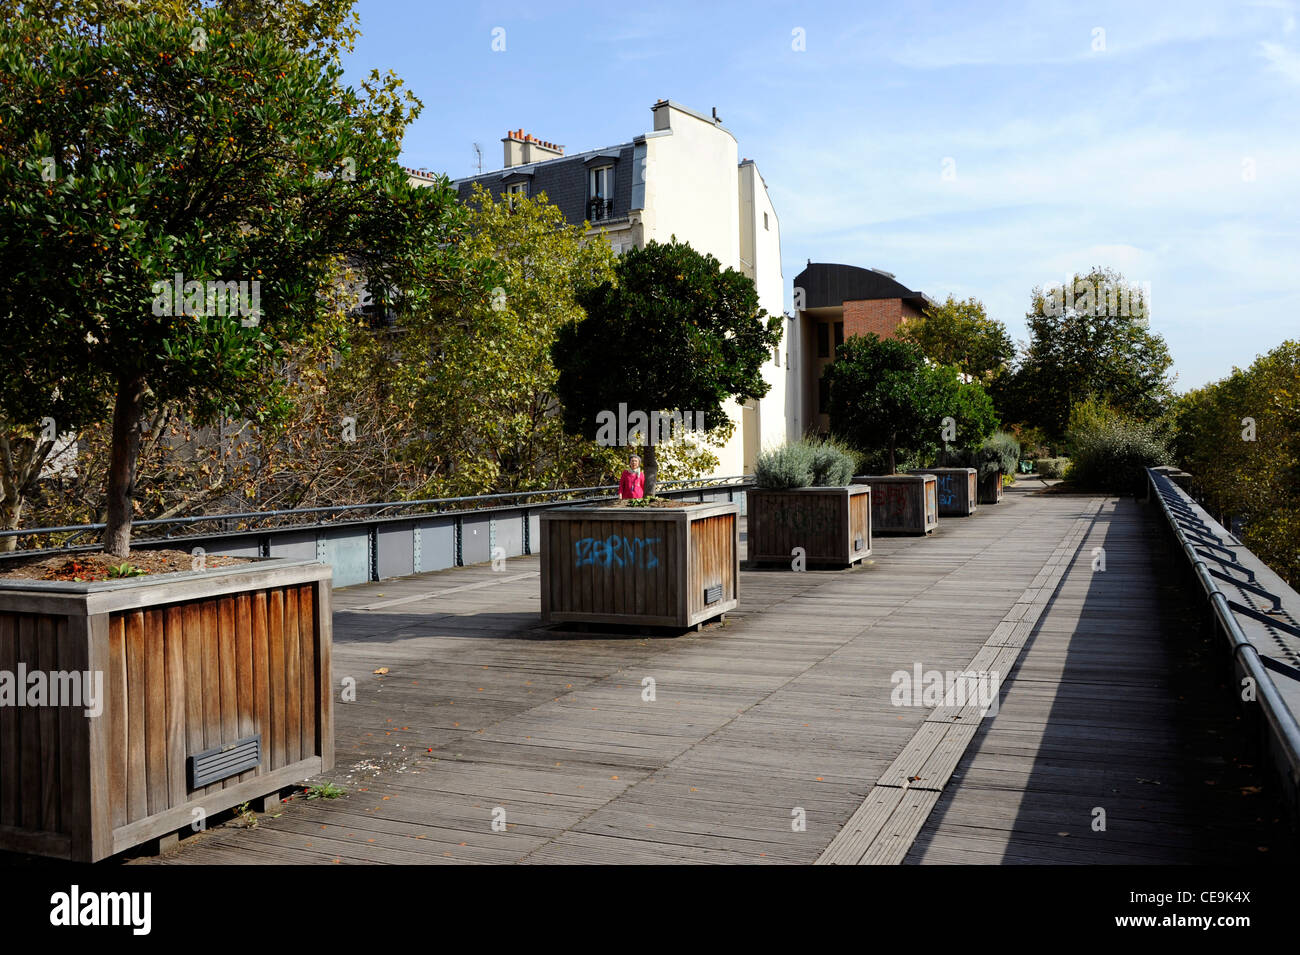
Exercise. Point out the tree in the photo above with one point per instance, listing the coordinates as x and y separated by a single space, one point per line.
1240 439
1088 338
885 397
175 193
486 409
960 333
677 333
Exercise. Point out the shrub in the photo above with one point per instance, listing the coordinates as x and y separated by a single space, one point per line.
832 464
1052 468
1110 450
804 464
1113 456
788 466
1001 451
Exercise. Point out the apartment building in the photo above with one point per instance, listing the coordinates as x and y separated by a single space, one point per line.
685 178
833 302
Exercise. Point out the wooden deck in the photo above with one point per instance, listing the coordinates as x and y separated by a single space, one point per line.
784 712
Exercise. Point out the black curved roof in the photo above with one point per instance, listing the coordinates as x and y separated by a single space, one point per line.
826 284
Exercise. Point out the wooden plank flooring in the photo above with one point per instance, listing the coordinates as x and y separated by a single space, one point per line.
778 717
1118 712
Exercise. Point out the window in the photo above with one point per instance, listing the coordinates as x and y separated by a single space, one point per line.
600 193
839 334
823 396
516 191
776 356
823 340
765 226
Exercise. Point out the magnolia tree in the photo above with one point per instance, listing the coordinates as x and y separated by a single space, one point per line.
174 192
675 333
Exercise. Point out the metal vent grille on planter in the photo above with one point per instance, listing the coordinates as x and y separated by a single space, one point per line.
213 765
712 594
857 544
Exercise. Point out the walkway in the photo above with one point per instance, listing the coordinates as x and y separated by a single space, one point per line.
773 737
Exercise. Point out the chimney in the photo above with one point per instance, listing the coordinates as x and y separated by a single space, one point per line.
522 148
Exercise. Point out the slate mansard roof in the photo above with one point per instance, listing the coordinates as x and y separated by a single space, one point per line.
564 180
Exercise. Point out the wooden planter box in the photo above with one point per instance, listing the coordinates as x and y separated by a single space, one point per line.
991 488
957 488
190 663
902 503
831 524
652 566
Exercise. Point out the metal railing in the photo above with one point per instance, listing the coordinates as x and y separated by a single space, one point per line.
599 208
372 541
1202 539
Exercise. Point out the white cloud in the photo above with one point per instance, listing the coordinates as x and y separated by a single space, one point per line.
1284 60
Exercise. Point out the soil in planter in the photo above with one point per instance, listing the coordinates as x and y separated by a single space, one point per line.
635 502
101 566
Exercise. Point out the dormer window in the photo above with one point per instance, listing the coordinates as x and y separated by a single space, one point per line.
600 193
516 191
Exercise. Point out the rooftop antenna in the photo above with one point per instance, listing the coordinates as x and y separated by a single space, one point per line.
478 153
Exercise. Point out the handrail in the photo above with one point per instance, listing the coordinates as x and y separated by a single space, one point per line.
78 529
1279 715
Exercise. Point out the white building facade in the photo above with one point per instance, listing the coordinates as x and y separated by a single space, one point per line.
684 178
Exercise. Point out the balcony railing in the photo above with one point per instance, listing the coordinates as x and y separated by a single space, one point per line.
599 208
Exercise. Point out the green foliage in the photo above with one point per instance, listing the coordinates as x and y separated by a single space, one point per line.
674 331
124 570
1002 451
832 464
1034 442
161 145
1051 468
1254 481
325 791
788 466
1086 416
806 463
485 410
1089 347
1110 451
960 333
888 402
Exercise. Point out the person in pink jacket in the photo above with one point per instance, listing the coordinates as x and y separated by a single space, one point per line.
632 481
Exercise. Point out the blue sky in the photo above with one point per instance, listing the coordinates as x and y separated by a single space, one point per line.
1167 145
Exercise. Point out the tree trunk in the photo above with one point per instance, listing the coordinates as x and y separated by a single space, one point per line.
893 464
21 463
11 518
651 467
127 420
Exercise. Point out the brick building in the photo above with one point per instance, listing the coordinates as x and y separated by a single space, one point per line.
833 302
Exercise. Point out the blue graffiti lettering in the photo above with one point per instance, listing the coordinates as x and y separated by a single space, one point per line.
616 551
